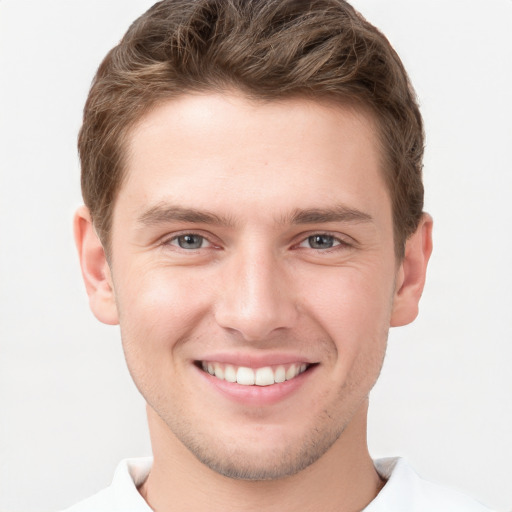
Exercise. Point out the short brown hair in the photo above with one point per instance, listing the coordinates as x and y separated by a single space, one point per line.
267 49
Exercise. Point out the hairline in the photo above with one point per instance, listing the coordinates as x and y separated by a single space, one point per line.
335 100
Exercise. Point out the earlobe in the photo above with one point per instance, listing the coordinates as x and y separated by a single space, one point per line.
95 269
411 274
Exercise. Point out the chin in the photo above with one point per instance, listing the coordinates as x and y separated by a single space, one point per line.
253 461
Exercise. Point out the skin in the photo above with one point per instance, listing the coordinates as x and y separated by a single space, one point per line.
265 177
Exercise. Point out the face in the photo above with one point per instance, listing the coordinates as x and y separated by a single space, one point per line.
254 276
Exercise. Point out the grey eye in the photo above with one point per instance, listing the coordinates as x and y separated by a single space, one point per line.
321 241
189 241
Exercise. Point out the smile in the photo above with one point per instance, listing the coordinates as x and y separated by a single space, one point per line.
265 376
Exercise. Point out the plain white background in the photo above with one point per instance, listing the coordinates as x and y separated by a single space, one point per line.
68 409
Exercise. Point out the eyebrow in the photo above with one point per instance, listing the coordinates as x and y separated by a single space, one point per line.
339 213
161 214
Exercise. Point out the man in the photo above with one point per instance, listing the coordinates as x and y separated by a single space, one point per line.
253 221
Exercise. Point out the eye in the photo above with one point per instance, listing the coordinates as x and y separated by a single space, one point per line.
320 241
190 241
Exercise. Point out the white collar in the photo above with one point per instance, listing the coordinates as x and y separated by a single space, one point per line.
404 491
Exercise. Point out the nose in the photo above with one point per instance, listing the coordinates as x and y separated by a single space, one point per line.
256 298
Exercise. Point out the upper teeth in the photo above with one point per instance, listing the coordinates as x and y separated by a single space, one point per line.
265 376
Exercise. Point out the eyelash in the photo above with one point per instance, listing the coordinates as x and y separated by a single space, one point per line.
338 243
176 238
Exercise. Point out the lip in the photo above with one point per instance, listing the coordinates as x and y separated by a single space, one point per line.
256 360
255 396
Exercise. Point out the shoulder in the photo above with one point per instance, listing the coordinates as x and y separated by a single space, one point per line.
405 490
122 495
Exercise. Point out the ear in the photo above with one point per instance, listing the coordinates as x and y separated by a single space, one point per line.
411 274
95 269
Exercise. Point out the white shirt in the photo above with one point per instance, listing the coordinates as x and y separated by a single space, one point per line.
404 491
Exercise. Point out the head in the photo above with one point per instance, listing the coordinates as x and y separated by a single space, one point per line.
268 50
252 177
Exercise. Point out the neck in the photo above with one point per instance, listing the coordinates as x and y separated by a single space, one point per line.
343 479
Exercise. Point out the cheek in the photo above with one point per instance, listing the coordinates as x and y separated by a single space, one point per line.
158 311
158 308
353 307
351 300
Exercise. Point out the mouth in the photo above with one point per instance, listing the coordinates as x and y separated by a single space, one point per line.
264 376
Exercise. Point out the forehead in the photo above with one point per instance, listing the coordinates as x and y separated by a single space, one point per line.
226 150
